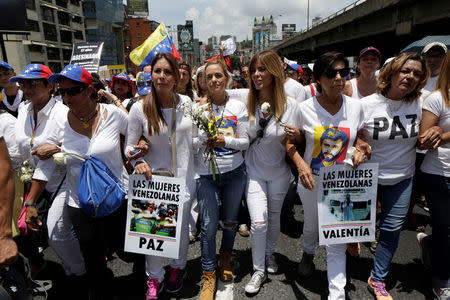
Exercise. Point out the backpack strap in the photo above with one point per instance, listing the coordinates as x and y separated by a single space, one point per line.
130 103
99 122
312 90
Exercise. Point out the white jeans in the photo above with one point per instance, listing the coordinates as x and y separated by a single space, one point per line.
61 238
154 264
264 201
336 258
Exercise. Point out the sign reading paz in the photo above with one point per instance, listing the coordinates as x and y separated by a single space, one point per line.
347 204
153 213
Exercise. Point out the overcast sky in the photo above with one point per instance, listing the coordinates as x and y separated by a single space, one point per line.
235 17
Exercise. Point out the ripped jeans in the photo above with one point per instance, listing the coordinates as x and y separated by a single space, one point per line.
227 190
265 200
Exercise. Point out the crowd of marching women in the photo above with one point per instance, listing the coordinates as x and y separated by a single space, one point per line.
271 112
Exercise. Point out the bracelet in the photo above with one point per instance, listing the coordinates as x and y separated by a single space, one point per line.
26 204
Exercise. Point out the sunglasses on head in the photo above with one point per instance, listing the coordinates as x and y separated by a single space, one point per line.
262 124
331 73
72 91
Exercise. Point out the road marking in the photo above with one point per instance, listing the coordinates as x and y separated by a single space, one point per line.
224 290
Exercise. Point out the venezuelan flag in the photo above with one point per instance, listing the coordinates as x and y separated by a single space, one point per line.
158 42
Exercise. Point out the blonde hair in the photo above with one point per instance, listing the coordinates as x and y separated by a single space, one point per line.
394 67
272 63
443 82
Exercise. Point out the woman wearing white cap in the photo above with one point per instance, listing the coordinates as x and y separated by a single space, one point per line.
39 132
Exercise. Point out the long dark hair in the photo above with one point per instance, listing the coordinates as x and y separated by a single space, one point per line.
150 105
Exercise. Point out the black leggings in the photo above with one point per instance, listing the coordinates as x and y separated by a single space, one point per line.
95 235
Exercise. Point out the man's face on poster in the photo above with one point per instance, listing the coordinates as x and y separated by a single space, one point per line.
331 149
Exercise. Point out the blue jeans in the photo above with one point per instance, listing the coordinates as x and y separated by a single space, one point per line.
394 200
438 197
227 190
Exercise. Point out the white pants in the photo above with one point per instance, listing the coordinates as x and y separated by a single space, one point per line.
61 238
154 264
336 258
264 201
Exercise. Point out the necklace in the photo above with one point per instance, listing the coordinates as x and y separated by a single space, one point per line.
85 120
393 109
223 104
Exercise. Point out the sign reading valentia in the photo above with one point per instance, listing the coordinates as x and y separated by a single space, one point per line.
154 210
347 203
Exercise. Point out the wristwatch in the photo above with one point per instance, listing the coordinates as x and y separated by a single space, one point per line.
26 204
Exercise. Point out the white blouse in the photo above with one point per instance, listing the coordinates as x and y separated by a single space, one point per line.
48 129
105 146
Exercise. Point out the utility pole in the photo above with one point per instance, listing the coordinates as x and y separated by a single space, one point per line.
307 17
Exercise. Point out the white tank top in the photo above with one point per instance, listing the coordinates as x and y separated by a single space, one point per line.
355 91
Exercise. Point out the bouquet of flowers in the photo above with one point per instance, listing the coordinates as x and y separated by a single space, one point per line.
26 171
203 119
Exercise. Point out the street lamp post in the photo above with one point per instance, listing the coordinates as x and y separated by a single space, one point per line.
307 17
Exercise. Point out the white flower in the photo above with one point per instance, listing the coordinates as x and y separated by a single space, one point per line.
25 178
206 116
59 158
265 108
23 170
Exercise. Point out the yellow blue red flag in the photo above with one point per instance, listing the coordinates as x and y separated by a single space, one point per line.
158 42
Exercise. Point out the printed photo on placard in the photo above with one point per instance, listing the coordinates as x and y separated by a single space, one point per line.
332 148
347 204
154 215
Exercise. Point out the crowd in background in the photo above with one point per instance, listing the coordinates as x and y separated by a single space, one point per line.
267 149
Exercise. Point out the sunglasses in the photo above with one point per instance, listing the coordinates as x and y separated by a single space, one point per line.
331 73
29 83
262 124
72 91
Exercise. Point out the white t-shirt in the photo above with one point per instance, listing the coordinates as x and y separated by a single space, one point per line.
105 146
8 132
295 90
232 123
391 128
437 161
328 137
292 89
309 92
430 86
49 129
159 155
265 158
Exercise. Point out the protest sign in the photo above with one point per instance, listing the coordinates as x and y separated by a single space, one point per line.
347 204
107 72
154 215
87 55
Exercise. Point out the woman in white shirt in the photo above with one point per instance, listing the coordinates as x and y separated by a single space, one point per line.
91 128
39 132
365 84
227 188
391 127
155 117
434 135
268 173
329 123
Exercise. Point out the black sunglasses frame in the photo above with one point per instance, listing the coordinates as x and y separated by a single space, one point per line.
73 91
331 73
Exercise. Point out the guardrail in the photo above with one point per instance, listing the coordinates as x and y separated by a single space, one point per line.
348 7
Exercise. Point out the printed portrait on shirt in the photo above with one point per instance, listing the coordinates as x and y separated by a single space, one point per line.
226 126
330 146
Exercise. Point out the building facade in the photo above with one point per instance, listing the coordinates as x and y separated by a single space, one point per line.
262 30
104 21
54 26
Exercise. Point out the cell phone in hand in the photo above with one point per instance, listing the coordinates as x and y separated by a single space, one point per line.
135 152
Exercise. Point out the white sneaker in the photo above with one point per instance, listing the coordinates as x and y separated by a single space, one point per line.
271 264
253 286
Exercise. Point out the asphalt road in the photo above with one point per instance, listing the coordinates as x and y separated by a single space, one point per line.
407 278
